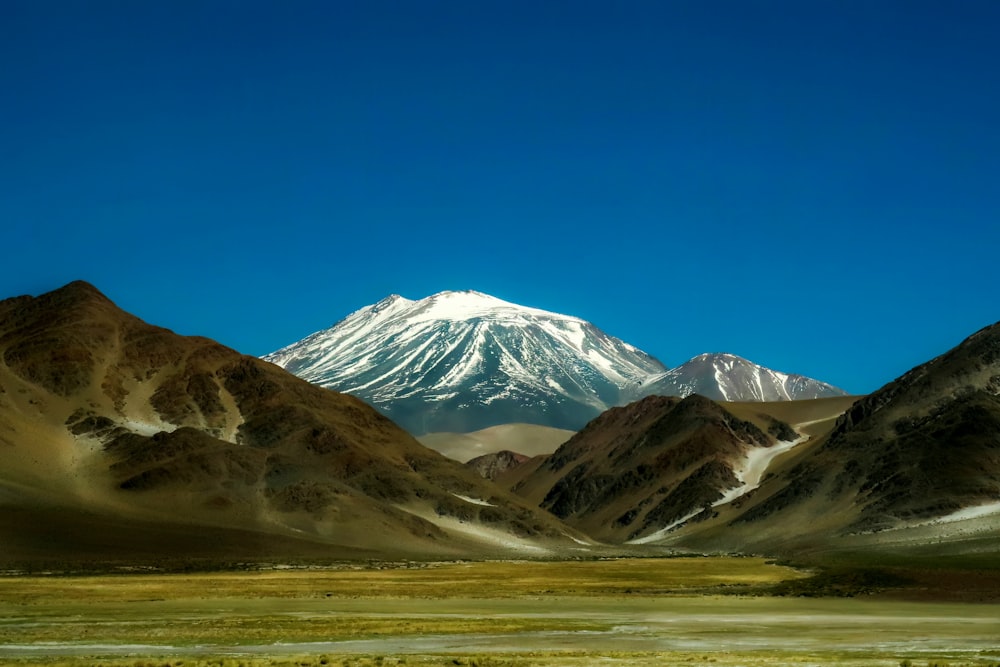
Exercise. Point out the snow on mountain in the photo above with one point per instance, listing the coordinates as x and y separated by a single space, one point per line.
726 377
462 361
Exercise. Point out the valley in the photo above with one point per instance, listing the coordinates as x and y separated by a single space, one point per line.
167 498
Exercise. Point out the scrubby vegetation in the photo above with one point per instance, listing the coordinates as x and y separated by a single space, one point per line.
841 583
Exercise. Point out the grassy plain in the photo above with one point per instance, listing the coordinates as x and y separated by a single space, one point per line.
499 614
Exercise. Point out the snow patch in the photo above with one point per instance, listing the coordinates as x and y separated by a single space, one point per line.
147 429
474 501
575 333
604 363
720 381
484 535
662 532
757 462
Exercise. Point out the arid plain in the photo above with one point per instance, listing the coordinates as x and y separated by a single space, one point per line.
648 611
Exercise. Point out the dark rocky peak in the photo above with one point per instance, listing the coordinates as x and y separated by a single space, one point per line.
633 413
971 366
620 424
78 290
73 296
76 302
695 412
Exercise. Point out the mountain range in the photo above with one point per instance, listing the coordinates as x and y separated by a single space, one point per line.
123 442
465 361
924 450
726 377
913 466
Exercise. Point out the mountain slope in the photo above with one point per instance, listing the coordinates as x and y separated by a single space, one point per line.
726 377
102 411
918 460
464 361
643 469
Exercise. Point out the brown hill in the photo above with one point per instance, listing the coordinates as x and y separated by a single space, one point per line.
130 421
645 467
812 417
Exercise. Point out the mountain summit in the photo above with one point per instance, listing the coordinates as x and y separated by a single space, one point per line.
726 377
462 361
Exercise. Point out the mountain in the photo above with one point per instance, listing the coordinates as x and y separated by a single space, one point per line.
137 431
917 462
726 377
638 471
464 361
124 442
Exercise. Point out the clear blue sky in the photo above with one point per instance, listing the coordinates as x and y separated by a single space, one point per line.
811 184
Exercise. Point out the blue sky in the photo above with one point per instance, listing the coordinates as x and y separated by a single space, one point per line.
812 185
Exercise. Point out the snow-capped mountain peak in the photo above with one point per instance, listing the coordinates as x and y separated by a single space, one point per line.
727 377
466 360
469 304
